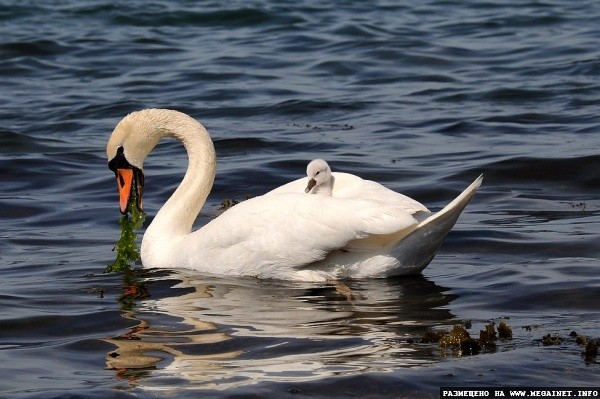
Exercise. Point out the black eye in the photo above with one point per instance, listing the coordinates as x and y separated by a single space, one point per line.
317 173
119 161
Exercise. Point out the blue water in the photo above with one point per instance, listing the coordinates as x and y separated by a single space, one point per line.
421 97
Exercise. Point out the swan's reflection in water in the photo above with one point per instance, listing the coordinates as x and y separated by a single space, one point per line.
222 333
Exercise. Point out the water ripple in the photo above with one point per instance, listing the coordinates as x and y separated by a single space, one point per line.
417 98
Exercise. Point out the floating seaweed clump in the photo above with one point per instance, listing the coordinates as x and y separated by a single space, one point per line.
591 347
454 337
460 342
459 338
228 203
549 340
487 337
433 336
579 339
504 331
470 346
591 351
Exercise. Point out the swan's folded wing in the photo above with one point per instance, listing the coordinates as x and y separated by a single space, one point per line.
350 186
295 186
298 229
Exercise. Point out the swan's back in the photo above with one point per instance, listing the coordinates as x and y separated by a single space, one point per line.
350 186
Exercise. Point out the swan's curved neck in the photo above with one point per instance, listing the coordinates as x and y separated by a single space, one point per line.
177 215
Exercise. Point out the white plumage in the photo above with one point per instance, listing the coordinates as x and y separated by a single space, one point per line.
361 230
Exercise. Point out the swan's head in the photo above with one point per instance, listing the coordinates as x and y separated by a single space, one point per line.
129 145
136 135
319 175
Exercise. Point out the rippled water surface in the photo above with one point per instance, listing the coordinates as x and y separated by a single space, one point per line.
421 97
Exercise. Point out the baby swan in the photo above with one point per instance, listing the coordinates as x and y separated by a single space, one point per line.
320 180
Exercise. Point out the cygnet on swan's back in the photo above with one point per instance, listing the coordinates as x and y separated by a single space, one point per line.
320 180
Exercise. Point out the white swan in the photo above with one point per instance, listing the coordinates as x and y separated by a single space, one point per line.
284 234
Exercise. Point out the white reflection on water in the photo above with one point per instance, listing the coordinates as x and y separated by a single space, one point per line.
230 333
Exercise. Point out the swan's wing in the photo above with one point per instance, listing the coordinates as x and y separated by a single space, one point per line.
295 186
415 247
292 230
350 186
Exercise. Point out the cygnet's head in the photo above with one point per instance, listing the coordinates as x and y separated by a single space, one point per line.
320 180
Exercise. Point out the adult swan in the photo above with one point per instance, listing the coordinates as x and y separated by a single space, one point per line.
284 234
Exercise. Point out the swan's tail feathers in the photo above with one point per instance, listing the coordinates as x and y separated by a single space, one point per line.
452 211
415 251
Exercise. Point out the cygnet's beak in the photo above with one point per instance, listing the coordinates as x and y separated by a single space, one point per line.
311 184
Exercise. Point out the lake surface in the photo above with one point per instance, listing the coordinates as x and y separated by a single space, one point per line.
421 97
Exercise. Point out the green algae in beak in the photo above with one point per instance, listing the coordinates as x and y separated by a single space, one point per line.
127 249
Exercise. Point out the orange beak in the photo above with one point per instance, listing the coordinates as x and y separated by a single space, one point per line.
124 182
130 181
